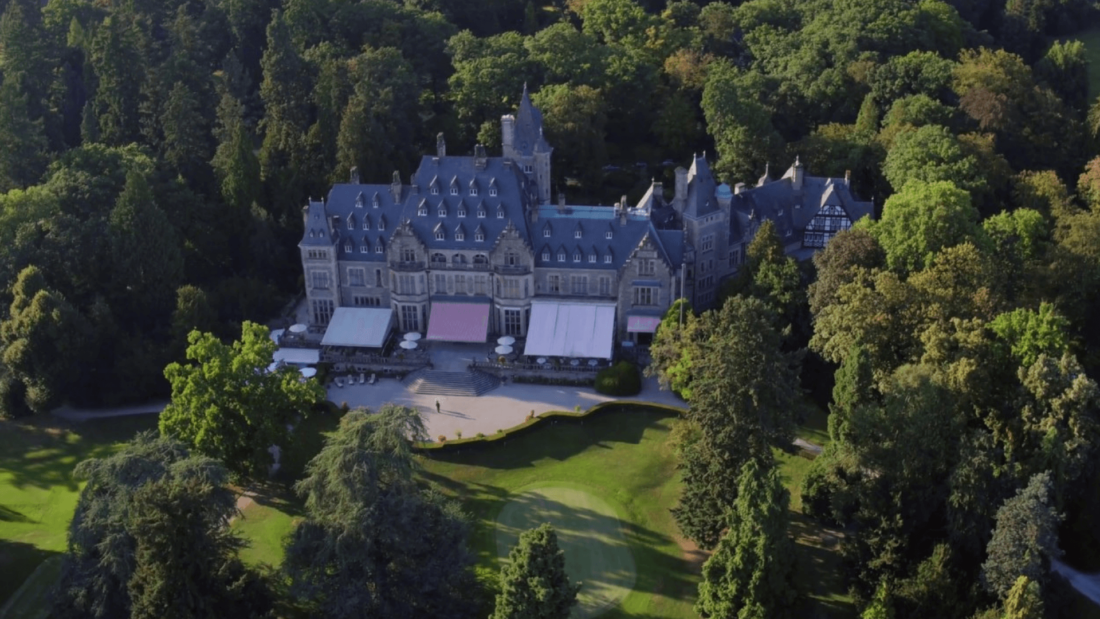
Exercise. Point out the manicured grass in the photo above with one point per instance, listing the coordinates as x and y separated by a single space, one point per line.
1091 38
265 524
589 533
37 491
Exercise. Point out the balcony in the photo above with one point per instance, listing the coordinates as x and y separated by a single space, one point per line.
511 269
459 266
407 266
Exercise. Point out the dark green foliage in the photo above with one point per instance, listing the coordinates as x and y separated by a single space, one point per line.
533 583
751 574
621 379
353 555
1024 540
743 404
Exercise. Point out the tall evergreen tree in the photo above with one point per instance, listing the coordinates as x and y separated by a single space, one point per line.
235 163
114 57
533 583
186 146
285 93
1024 600
1024 540
743 403
751 574
22 141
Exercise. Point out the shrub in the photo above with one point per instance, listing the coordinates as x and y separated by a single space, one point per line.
442 438
480 435
620 379
458 433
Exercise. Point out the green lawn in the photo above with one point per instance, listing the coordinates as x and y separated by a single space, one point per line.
37 491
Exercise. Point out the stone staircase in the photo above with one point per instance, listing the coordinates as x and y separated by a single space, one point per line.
438 382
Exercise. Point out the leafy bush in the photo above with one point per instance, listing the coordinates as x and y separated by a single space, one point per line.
620 379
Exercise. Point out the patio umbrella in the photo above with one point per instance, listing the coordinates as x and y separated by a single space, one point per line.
506 340
503 350
412 336
273 367
309 372
408 345
298 328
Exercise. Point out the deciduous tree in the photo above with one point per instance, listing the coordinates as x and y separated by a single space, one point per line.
1025 538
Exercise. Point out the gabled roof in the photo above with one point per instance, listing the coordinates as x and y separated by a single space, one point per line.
317 229
563 223
700 193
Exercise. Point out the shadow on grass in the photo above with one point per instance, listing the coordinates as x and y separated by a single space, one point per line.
42 451
820 567
18 561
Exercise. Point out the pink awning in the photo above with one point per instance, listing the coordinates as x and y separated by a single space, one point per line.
642 324
458 322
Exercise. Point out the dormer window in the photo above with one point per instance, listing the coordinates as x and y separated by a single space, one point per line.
365 248
442 211
347 248
500 213
435 190
454 190
382 223
527 169
351 223
576 234
439 236
460 235
607 235
561 256
481 213
379 248
546 256
607 259
366 224
592 258
461 212
576 256
422 210
359 201
546 232
479 236
493 192
375 202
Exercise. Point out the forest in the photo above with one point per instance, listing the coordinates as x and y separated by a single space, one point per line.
155 156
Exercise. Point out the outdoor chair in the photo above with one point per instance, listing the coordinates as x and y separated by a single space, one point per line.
339 382
372 378
362 378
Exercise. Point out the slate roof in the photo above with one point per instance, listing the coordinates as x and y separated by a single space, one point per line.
317 226
510 203
528 136
701 186
373 204
595 222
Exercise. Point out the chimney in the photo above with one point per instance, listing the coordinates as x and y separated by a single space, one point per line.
847 178
680 197
622 203
561 201
480 160
440 145
395 186
508 135
796 180
354 175
622 217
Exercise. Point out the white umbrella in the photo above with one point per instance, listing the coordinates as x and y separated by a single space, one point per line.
412 336
506 340
273 367
503 350
309 372
408 345
298 328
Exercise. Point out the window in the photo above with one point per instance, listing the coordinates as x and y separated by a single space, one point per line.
645 295
473 190
493 192
707 282
322 311
708 243
359 201
364 248
788 232
454 190
357 277
319 279
607 259
576 256
480 213
546 232
511 288
408 255
439 236
605 286
460 283
607 235
406 284
577 234
458 259
366 224
481 284
382 224
378 248
647 267
511 258
422 211
435 190
512 322
460 235
317 254
561 256
500 213
592 258
365 301
441 283
553 284
579 284
442 211
374 202
348 248
527 169
410 318
461 212
378 277
481 259
351 223
438 260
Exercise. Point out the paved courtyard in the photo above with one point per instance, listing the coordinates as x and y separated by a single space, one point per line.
501 408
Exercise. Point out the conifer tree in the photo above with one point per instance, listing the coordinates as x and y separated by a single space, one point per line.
1024 540
235 164
285 94
185 146
751 574
534 582
22 141
114 57
1024 600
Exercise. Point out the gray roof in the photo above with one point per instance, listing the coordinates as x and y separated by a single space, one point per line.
510 203
318 231
528 136
594 222
373 204
701 186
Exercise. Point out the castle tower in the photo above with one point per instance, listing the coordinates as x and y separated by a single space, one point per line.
522 142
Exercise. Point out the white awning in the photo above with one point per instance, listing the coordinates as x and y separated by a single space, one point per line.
361 327
571 329
298 356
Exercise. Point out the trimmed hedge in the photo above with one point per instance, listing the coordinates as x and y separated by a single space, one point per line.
620 379
535 422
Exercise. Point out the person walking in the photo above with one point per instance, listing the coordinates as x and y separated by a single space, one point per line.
437 406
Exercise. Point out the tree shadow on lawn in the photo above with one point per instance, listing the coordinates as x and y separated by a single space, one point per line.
18 560
42 451
820 567
557 439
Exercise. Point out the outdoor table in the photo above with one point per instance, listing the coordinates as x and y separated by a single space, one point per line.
593 362
541 360
575 362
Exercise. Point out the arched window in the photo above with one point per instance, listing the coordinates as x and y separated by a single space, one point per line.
439 259
481 259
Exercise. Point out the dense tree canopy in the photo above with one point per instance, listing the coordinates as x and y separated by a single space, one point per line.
533 583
